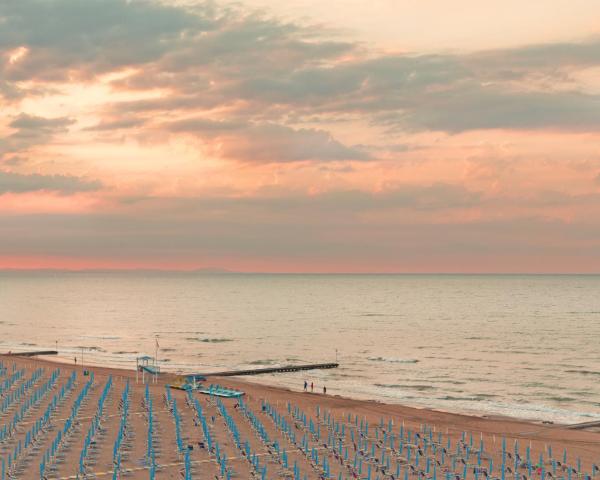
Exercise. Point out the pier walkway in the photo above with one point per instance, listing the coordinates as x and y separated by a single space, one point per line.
259 371
584 425
32 354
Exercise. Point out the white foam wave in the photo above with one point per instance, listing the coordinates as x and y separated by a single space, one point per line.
392 360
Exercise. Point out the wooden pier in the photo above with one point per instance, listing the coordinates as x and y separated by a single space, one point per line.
259 371
584 425
32 354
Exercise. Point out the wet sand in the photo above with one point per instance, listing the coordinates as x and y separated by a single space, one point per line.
582 444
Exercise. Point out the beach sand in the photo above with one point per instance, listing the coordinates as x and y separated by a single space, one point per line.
579 444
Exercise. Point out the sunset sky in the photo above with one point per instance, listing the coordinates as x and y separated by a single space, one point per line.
301 135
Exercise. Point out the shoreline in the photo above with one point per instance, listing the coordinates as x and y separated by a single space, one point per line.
365 398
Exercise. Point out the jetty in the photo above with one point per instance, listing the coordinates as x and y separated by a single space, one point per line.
584 425
260 371
32 354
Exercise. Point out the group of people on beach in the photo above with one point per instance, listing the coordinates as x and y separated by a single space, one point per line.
312 387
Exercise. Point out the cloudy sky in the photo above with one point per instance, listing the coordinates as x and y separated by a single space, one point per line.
350 136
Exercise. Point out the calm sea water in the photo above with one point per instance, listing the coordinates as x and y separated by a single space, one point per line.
527 346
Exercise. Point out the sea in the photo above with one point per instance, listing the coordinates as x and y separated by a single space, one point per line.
526 346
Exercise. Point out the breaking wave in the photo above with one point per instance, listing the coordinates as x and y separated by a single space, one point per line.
392 360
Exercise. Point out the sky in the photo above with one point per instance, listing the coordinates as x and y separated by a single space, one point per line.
300 136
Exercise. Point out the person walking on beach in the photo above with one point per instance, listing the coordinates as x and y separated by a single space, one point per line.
75 358
324 390
305 385
312 387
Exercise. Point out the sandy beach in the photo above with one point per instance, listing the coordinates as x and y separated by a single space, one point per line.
583 447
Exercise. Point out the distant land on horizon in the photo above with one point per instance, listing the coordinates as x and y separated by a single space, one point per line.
224 271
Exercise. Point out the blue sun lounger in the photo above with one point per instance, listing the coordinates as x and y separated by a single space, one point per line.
219 391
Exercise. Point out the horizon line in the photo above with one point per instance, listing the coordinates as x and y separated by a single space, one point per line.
223 271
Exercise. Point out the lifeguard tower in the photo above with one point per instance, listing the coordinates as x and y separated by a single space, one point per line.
146 364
